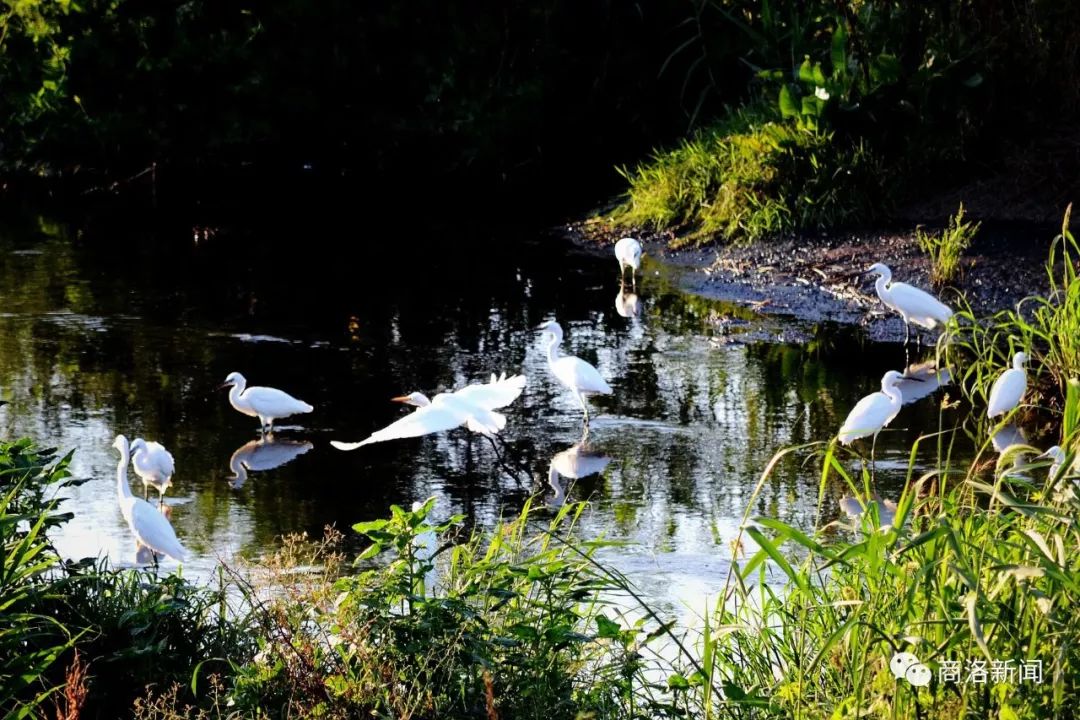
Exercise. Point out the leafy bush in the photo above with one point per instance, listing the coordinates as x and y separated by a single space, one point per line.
31 640
505 624
946 248
750 176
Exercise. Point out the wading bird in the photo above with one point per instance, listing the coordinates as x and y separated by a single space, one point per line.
576 374
1009 388
1056 456
914 305
472 406
267 404
628 253
873 412
149 526
154 465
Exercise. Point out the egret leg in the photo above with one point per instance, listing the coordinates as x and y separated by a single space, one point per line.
873 448
907 333
584 406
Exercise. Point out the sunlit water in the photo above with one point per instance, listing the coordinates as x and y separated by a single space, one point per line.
129 330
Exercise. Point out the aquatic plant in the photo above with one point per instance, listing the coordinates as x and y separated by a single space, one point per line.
946 248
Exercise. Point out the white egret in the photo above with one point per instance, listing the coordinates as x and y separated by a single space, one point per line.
855 508
154 465
914 305
266 453
874 411
267 404
1009 388
628 253
627 305
149 526
472 406
576 374
1057 458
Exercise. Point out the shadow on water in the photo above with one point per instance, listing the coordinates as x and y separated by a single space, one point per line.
130 330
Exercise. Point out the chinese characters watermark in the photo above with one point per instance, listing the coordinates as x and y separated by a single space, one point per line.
906 666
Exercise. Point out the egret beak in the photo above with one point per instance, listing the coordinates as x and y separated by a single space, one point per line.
1044 456
222 386
400 399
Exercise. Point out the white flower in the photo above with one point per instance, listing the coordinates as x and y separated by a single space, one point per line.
821 93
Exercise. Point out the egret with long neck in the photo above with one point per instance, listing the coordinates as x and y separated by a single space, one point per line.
150 528
266 403
576 374
914 305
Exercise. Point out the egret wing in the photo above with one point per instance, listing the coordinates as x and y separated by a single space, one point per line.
155 531
161 458
498 393
430 419
919 304
1007 392
868 416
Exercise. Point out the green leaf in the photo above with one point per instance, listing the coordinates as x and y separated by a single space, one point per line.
607 628
838 52
788 108
885 69
678 682
806 71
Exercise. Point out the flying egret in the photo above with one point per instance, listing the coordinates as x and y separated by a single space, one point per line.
874 411
628 253
1008 389
154 465
267 404
914 305
472 406
576 374
266 453
149 526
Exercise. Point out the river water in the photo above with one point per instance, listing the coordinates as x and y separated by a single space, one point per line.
128 326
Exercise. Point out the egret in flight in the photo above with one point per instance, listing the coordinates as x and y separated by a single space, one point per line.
914 305
472 406
628 253
267 404
874 411
1009 388
149 526
576 374
154 465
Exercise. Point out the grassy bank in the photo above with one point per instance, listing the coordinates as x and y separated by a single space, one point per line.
850 108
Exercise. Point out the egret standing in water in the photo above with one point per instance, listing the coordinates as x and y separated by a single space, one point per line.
1009 388
873 412
154 465
576 374
628 253
914 305
267 404
471 406
149 526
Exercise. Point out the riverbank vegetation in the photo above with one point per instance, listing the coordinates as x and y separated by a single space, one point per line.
973 569
896 100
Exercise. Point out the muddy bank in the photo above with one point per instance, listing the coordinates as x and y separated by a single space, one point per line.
807 277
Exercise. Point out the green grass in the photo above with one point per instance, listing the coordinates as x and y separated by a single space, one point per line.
947 247
748 177
1046 328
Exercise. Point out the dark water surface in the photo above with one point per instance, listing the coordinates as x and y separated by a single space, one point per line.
128 330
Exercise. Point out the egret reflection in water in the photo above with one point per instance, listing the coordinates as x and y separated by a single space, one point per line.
627 304
573 463
266 453
921 380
